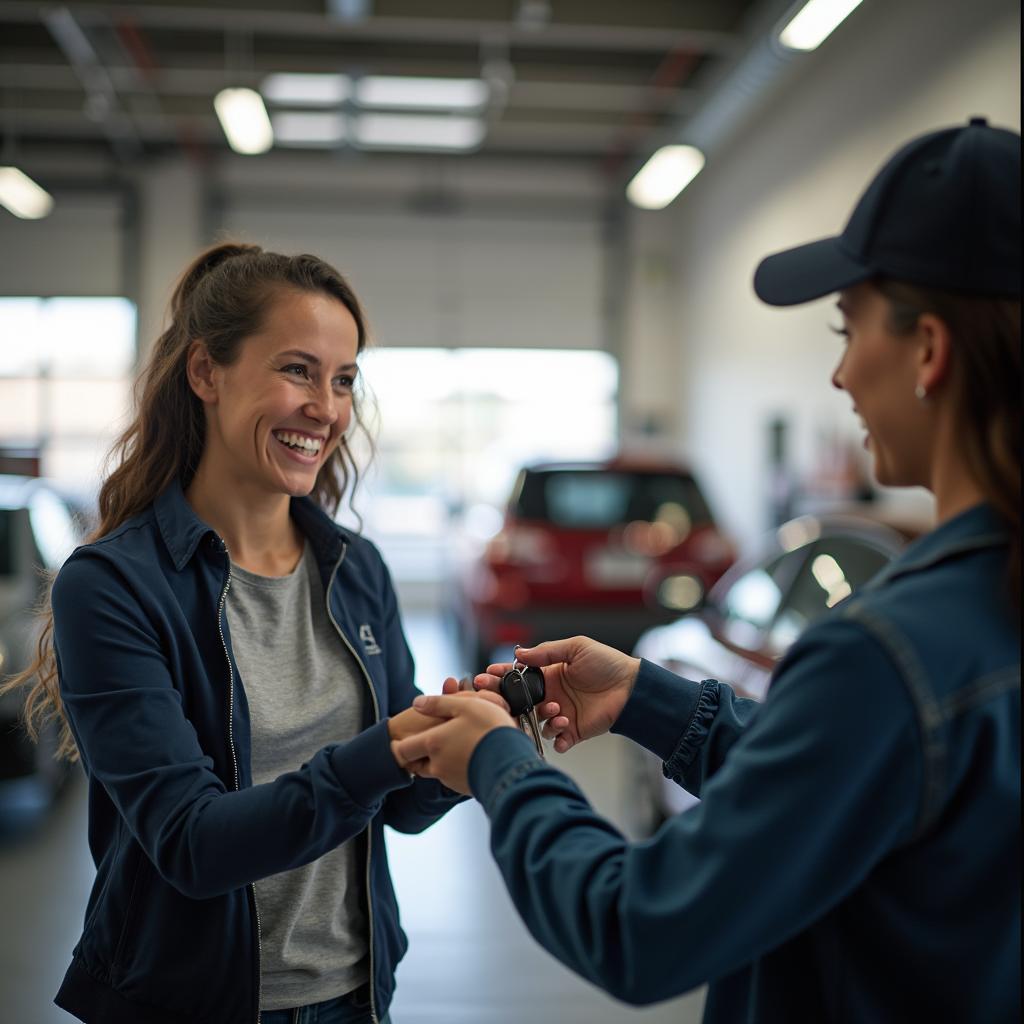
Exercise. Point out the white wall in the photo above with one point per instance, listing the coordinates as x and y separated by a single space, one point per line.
519 281
895 70
77 250
441 253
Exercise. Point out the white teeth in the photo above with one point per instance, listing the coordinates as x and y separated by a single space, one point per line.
310 445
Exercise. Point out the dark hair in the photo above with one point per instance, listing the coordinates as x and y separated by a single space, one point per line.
221 298
986 384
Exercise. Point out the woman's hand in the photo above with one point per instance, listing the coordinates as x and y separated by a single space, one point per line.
408 723
586 686
460 721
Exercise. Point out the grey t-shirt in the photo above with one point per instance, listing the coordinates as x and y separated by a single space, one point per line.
304 691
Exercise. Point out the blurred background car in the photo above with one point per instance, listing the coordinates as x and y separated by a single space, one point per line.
577 542
38 530
750 618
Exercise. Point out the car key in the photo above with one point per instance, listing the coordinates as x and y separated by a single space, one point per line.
523 689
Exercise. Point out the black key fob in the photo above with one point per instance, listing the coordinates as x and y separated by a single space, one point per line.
522 689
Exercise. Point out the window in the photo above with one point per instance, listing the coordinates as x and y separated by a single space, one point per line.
65 380
454 427
591 500
835 567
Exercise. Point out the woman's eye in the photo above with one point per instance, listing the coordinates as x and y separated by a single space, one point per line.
841 331
295 370
344 382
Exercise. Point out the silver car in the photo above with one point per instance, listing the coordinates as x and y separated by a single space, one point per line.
749 619
38 530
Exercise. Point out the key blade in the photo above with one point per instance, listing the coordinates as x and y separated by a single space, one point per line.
534 731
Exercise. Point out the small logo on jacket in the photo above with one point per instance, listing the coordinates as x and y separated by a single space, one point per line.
370 645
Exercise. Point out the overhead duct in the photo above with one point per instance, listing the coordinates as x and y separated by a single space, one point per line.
742 86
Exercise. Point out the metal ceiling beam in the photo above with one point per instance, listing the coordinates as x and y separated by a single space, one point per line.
284 23
181 81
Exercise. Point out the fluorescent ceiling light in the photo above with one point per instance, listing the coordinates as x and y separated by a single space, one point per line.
433 93
244 120
306 128
815 22
307 90
664 176
22 196
418 131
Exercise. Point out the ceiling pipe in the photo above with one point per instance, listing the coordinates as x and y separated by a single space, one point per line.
101 101
741 87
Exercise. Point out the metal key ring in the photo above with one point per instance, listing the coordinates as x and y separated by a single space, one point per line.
517 665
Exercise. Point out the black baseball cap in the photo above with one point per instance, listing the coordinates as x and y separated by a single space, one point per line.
944 212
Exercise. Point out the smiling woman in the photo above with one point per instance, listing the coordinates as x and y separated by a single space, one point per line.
229 665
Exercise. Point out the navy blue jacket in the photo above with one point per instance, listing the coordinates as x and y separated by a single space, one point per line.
856 854
177 830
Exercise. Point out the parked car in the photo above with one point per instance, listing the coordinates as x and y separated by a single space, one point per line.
37 532
749 619
577 542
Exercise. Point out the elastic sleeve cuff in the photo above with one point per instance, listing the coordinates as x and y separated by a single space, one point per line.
366 768
501 757
659 710
696 732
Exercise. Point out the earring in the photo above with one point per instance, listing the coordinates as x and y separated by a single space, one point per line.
921 392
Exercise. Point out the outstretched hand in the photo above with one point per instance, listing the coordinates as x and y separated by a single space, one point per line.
586 686
461 719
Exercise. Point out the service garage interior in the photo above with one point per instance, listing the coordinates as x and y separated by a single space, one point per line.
530 306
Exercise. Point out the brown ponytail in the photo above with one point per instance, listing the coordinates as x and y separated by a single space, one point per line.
987 383
222 298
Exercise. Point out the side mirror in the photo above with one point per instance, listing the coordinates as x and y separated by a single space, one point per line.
677 589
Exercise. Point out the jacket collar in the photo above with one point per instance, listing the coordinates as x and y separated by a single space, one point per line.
973 530
183 531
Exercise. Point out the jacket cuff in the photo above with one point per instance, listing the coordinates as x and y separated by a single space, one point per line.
503 756
697 731
366 768
659 710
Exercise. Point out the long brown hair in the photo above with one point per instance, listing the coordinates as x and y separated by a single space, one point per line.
221 298
986 390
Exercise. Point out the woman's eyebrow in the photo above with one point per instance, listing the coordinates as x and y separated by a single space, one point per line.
308 356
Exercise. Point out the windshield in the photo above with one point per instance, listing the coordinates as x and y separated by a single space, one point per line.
590 499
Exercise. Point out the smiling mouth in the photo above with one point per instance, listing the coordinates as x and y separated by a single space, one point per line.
301 444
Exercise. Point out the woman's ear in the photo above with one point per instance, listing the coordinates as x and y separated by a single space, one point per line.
202 372
935 347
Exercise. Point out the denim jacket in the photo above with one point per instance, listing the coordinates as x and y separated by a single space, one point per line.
177 829
856 853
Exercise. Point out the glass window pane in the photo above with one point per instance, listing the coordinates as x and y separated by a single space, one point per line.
89 407
92 337
835 568
21 344
584 499
20 411
455 427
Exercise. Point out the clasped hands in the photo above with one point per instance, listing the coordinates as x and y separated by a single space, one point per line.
586 685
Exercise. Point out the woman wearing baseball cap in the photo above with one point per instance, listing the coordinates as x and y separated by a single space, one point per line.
856 852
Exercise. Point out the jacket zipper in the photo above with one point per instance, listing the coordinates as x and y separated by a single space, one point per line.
376 718
234 761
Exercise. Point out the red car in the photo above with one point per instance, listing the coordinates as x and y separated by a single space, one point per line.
577 543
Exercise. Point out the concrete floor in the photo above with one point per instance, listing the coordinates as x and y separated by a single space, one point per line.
470 961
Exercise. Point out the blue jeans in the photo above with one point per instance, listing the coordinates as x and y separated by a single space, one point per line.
351 1008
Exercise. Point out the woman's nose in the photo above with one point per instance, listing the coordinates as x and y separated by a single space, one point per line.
323 406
